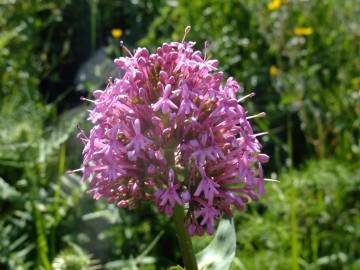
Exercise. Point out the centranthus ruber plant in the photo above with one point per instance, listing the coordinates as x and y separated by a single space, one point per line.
169 130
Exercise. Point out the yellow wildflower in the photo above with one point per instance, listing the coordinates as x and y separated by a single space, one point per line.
116 32
273 71
274 5
303 31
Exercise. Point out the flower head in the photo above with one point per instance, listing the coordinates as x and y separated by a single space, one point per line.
116 32
274 5
168 130
273 71
303 31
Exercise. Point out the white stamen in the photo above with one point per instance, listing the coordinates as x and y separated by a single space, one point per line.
247 96
81 132
260 134
74 171
86 99
122 45
206 46
271 180
262 114
187 30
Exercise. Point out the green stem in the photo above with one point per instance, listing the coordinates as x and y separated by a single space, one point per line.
186 248
183 237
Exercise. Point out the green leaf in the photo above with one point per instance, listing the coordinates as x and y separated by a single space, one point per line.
218 255
178 267
7 36
7 192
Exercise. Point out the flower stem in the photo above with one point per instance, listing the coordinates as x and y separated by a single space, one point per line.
184 239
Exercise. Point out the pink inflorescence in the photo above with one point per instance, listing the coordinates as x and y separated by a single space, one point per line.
169 131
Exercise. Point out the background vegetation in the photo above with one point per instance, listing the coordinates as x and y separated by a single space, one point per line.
302 58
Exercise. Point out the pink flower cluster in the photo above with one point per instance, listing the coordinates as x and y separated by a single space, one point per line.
169 131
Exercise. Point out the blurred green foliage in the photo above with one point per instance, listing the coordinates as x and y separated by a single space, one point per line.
301 57
310 220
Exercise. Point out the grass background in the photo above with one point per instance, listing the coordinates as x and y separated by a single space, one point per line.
302 58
